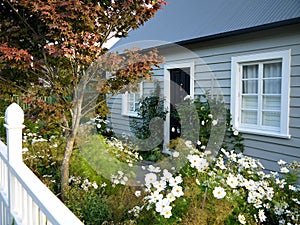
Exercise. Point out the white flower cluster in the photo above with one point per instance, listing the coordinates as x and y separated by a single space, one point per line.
232 176
85 184
259 193
123 151
33 138
198 161
119 178
247 177
136 211
162 190
196 158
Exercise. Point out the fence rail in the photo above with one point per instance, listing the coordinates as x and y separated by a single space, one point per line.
24 199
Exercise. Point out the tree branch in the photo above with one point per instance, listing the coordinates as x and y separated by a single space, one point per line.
19 87
22 18
95 106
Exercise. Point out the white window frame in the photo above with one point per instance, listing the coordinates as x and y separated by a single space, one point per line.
125 102
236 89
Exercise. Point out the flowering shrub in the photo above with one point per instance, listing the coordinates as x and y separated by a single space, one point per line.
43 157
206 122
102 126
86 199
238 181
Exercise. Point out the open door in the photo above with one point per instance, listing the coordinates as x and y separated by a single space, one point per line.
179 89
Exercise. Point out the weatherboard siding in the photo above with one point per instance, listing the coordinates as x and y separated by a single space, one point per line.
212 60
217 56
121 123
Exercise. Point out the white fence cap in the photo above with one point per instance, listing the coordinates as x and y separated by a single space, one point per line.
14 115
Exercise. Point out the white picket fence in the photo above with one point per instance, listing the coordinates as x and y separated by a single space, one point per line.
24 199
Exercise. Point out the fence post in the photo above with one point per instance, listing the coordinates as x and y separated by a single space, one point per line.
14 118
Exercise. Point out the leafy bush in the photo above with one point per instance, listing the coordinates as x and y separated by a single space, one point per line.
214 117
207 123
44 157
87 201
151 108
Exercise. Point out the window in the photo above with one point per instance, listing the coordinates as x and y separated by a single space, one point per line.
130 101
260 93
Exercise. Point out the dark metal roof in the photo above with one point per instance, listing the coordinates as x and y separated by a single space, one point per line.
183 21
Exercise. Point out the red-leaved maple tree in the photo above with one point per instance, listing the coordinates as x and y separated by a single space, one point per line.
56 48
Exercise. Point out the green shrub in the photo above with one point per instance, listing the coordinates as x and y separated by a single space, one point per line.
151 108
44 158
87 201
207 123
215 118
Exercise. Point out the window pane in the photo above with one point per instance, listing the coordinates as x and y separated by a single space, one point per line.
249 102
249 117
131 102
272 70
271 102
137 96
250 87
136 106
271 119
250 71
272 86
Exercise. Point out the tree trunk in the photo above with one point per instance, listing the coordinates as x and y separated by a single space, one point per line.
70 141
66 165
71 136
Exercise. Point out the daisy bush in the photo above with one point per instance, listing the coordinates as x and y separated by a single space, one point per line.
257 197
231 188
206 123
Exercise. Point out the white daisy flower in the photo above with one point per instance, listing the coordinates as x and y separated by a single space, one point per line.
219 192
177 191
242 219
232 181
150 178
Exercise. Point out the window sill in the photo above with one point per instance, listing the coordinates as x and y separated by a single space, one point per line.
264 133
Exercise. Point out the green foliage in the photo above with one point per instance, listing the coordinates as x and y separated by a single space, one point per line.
89 205
80 167
97 199
215 129
150 109
44 157
154 155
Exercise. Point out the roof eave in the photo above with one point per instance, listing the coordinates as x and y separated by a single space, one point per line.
240 31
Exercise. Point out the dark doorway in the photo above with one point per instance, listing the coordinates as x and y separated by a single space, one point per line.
179 88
